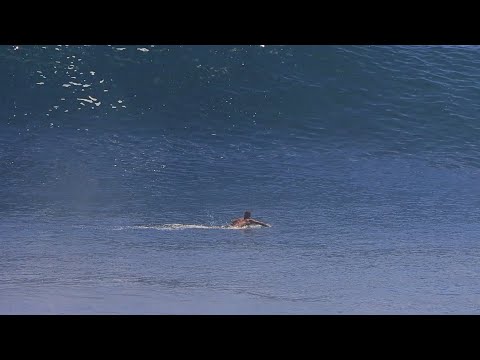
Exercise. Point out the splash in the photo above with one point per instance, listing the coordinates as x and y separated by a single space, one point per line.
183 227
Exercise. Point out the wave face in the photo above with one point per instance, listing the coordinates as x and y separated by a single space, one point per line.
173 126
322 142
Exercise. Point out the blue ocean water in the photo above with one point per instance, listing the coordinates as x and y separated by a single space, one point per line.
120 167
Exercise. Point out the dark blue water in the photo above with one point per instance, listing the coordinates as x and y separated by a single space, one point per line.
120 167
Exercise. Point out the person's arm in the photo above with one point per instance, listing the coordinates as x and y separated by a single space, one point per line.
258 223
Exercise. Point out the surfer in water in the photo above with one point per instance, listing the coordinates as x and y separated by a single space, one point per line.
247 220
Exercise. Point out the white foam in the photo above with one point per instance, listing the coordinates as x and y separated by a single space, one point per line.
184 227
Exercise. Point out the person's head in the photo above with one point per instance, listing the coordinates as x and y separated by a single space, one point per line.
247 215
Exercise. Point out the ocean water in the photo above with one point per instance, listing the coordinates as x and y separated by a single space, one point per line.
121 167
